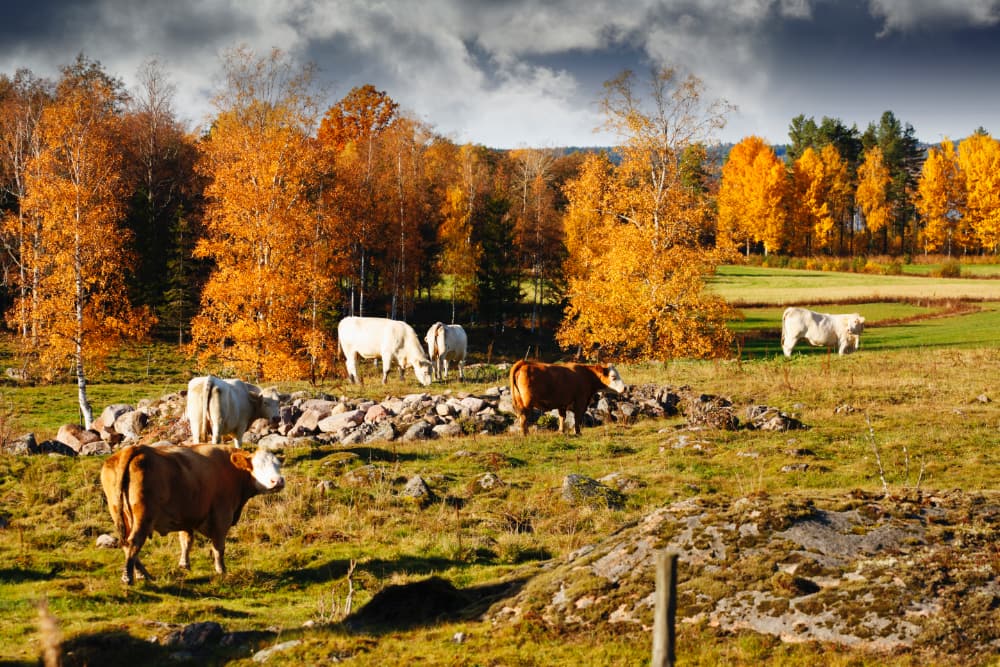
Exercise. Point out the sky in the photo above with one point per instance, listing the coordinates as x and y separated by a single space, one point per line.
519 73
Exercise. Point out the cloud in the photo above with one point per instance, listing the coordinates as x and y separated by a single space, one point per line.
908 15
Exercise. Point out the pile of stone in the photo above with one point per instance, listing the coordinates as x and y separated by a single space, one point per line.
347 421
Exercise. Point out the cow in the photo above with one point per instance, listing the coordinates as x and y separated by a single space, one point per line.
392 340
560 387
821 329
446 342
183 488
227 407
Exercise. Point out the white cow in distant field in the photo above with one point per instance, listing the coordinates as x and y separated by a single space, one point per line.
821 329
391 340
227 407
447 342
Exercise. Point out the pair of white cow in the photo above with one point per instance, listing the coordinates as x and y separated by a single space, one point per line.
396 342
821 330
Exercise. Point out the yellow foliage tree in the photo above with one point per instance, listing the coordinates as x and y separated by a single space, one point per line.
872 192
979 162
822 187
939 199
752 196
80 256
260 310
635 269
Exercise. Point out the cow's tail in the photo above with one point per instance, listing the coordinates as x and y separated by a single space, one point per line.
125 520
436 344
206 418
515 391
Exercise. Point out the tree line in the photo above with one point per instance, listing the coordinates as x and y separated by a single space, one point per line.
248 241
843 193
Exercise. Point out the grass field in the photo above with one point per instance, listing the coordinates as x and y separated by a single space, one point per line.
299 558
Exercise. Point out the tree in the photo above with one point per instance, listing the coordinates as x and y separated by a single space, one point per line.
872 194
75 189
940 195
979 162
358 202
159 157
752 197
461 249
635 268
258 309
821 187
21 106
902 157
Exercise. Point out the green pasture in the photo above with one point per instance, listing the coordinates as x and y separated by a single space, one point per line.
300 559
754 285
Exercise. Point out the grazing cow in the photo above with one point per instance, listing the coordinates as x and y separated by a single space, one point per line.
199 488
821 329
392 340
560 387
446 342
227 407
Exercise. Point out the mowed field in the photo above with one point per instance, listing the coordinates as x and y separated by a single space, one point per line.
914 411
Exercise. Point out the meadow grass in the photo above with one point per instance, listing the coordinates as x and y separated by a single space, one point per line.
298 558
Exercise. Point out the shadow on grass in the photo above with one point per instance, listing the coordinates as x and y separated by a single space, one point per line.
426 602
17 575
379 568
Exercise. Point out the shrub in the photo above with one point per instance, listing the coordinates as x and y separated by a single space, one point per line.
950 269
859 263
893 269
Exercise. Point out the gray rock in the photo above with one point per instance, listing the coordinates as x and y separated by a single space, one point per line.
105 541
420 430
195 635
24 445
265 654
416 489
337 421
451 430
581 490
130 424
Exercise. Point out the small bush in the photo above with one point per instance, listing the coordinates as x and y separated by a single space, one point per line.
893 269
950 269
859 263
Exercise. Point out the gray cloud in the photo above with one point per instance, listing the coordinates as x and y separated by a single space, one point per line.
524 72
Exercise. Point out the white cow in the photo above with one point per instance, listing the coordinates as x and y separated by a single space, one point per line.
821 329
446 342
391 340
227 407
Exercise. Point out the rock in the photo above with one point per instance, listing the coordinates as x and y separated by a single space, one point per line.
22 446
195 635
621 482
421 430
473 404
337 421
376 413
130 424
325 486
75 436
96 448
581 490
451 430
264 654
487 482
364 476
416 489
110 414
105 541
381 431
273 442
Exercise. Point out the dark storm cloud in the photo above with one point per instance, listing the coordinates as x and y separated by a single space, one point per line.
525 72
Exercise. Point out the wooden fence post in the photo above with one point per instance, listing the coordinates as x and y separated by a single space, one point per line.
665 610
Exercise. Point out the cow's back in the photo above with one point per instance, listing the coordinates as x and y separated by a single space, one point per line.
542 386
361 335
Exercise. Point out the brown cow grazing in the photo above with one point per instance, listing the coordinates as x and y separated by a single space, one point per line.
559 386
199 488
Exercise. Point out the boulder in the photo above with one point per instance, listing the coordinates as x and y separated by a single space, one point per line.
75 436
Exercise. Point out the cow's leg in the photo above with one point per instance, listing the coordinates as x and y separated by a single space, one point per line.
131 547
185 537
522 421
562 420
219 553
461 370
787 344
444 371
578 412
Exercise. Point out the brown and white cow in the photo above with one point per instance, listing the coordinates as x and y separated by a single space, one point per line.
199 488
560 387
227 407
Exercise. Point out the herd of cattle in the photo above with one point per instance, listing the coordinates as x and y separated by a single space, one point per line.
204 487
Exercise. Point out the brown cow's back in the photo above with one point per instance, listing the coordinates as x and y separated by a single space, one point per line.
562 387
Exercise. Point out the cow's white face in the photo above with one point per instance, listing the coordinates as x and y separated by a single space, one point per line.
267 471
615 380
423 370
856 324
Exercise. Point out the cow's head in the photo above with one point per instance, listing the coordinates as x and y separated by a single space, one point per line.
266 471
855 324
422 367
267 405
613 380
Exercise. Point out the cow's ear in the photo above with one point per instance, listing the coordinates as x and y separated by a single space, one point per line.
241 459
